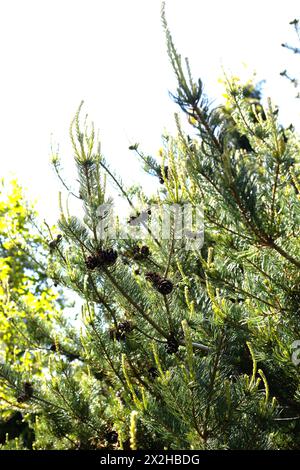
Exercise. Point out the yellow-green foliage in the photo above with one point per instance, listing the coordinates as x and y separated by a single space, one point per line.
25 296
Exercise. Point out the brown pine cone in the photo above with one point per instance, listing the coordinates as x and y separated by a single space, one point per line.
126 326
107 257
165 286
26 394
162 285
92 262
145 252
102 258
153 277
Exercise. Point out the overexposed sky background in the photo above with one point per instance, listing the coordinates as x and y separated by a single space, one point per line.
112 54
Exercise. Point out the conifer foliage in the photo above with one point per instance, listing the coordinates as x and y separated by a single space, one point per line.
179 346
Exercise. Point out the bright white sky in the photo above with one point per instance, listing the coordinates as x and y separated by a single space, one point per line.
112 54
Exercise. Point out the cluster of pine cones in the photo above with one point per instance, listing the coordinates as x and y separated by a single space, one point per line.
140 253
101 259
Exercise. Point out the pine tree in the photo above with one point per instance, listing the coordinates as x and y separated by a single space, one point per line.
180 346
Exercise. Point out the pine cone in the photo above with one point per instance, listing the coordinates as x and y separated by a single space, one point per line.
125 326
107 257
172 345
134 252
26 394
165 286
54 243
162 285
119 332
145 252
102 258
140 253
153 277
113 334
92 262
